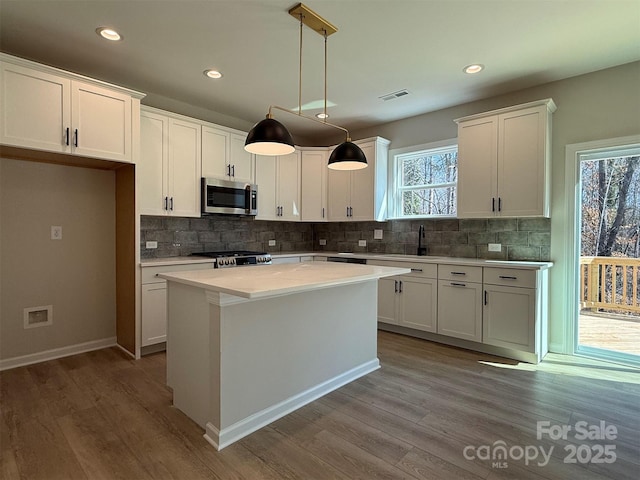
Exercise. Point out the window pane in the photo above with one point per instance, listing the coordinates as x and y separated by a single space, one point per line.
429 201
426 168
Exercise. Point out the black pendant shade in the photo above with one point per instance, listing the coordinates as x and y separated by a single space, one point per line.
347 156
269 137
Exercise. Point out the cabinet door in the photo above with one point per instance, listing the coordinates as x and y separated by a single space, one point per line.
184 168
338 194
313 183
35 109
154 313
387 298
101 122
418 307
266 178
241 160
522 165
460 310
289 186
509 317
477 163
215 153
152 169
363 187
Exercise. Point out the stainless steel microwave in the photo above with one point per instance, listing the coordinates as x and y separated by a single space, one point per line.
224 196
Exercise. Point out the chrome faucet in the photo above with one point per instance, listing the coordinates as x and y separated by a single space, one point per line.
422 251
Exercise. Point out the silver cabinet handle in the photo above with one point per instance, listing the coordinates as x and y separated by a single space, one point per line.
506 277
453 284
416 269
458 273
322 212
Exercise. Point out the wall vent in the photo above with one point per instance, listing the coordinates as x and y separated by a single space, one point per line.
38 316
394 95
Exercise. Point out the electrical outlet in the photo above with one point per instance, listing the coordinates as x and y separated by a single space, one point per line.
377 234
362 243
495 247
272 243
56 233
323 242
152 244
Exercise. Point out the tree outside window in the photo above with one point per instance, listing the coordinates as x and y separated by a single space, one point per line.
427 182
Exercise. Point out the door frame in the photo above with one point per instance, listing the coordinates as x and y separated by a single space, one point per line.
573 153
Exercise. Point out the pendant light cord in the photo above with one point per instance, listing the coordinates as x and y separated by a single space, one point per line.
325 75
300 71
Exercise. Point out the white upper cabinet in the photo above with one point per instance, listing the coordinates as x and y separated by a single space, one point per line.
313 185
169 166
224 156
240 160
48 109
278 180
504 162
360 195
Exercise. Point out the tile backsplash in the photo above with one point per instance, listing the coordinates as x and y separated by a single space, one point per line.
521 238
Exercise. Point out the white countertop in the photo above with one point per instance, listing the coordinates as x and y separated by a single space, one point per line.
273 280
157 262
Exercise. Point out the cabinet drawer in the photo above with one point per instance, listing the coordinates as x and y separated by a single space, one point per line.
149 274
418 269
510 277
460 273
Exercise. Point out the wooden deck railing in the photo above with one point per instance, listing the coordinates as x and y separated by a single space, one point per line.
610 283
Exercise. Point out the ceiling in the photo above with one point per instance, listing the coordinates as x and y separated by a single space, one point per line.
380 47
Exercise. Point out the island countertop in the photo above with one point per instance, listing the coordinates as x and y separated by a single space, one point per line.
273 280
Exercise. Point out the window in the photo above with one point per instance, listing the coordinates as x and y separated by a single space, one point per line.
426 181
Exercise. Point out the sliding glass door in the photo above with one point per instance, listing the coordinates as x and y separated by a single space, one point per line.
608 236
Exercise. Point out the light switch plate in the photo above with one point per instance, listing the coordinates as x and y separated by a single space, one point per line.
272 243
377 234
362 243
151 244
323 242
495 247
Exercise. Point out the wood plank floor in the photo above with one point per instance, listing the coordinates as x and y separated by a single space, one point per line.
102 415
614 332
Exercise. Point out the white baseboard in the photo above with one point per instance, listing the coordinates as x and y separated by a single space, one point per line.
23 360
220 439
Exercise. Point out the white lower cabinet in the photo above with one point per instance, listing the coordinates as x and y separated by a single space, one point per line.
460 309
409 300
460 301
509 310
498 310
154 313
153 328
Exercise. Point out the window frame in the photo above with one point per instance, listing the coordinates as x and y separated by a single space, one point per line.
394 197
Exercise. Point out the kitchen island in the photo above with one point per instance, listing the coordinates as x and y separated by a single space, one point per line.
246 346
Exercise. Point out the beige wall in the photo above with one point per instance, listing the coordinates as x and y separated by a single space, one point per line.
600 105
76 274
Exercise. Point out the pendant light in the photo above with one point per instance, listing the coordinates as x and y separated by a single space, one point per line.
270 137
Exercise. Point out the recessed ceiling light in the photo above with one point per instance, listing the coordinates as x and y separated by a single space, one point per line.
322 115
473 68
108 33
213 73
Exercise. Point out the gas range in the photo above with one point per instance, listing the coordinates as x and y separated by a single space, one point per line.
237 258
